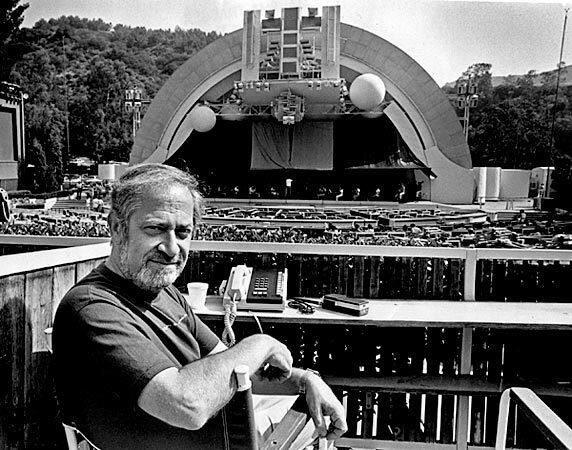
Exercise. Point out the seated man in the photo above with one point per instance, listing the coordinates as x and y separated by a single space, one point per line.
135 367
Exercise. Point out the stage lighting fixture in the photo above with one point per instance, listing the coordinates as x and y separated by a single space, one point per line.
202 118
367 91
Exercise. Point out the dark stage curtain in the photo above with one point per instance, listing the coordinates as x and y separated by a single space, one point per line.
372 144
304 145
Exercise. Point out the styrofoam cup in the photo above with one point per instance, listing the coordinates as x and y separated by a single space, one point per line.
197 294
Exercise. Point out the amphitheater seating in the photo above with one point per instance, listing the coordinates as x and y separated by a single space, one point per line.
69 204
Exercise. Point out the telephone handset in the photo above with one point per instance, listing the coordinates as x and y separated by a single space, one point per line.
254 290
238 282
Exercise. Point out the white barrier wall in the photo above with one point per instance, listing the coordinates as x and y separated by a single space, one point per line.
493 183
480 174
111 171
106 171
515 183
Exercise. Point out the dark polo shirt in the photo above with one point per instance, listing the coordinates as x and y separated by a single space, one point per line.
110 339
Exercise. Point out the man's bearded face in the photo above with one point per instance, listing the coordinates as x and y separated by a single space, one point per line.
148 275
151 250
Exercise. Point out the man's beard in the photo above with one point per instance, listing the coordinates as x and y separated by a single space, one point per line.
150 278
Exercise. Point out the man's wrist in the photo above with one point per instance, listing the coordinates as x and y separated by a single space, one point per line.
308 373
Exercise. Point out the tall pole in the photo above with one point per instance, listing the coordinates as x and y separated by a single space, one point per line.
467 98
552 127
66 97
466 121
133 103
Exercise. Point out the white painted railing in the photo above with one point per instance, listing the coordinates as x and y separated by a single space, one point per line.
83 247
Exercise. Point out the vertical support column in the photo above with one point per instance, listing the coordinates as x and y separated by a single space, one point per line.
462 430
481 176
289 54
251 46
470 278
330 42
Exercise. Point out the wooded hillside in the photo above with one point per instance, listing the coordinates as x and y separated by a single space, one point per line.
76 71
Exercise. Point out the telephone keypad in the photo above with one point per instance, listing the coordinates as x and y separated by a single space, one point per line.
266 290
260 286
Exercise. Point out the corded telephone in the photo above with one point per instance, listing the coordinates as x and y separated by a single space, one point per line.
257 289
254 290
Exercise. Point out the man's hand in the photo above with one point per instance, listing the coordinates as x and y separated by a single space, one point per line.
278 365
322 402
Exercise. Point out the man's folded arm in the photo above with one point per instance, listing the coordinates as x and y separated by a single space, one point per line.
189 396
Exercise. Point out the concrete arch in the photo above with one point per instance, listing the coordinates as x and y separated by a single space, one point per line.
421 112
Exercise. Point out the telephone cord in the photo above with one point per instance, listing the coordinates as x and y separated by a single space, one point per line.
258 323
228 336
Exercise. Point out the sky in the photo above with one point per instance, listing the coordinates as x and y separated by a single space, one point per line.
444 37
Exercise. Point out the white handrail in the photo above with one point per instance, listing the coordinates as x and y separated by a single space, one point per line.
54 241
44 259
329 249
524 254
546 420
11 264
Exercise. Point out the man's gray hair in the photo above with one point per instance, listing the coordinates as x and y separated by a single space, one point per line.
131 188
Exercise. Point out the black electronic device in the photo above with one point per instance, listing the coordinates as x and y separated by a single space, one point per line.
345 304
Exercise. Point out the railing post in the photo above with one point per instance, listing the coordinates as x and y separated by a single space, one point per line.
470 279
502 423
462 430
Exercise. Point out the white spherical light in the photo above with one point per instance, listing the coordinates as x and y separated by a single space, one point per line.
367 91
202 118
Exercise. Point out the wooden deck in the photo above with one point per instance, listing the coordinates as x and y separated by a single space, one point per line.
404 385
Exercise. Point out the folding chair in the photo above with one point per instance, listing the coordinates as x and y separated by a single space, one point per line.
239 427
76 439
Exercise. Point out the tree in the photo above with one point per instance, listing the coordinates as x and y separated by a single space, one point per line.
10 20
511 133
511 128
77 70
562 181
480 73
45 129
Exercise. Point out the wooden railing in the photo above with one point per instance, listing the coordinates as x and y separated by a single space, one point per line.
32 285
549 424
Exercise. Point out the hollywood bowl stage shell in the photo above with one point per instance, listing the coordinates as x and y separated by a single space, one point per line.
420 111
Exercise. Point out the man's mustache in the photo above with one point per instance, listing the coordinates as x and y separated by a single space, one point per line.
162 259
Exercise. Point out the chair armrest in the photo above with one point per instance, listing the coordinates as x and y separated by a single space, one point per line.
289 427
